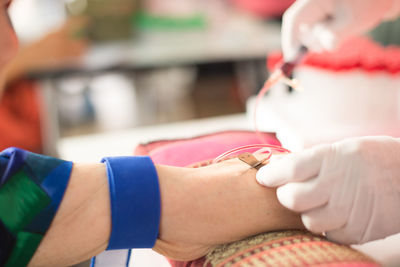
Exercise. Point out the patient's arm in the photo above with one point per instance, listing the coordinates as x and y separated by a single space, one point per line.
216 204
200 208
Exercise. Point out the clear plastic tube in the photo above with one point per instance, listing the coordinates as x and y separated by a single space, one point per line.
267 149
280 74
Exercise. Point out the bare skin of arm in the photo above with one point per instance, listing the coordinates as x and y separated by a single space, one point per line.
201 208
82 224
217 204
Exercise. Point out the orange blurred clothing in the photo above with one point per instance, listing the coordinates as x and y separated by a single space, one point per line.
20 117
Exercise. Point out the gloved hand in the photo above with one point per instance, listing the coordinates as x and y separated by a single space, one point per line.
323 24
349 190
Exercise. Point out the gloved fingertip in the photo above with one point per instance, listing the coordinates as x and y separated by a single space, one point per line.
286 197
260 177
312 224
291 53
338 237
265 177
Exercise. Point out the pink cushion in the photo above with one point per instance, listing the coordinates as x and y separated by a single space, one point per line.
264 8
184 152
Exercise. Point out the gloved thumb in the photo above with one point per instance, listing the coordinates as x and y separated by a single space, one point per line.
271 174
296 167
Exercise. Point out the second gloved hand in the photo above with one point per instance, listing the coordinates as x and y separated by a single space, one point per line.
349 190
323 24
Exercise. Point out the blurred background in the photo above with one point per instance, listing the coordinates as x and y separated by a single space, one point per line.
91 66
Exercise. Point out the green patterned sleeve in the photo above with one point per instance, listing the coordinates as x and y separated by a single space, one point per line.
31 190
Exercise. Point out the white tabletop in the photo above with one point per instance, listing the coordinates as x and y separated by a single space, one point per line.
91 148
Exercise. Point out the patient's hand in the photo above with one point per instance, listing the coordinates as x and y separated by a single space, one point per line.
216 204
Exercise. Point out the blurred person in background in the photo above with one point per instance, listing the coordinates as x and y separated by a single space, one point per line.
58 213
19 104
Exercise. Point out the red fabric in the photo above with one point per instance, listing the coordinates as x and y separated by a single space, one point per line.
357 53
20 117
184 152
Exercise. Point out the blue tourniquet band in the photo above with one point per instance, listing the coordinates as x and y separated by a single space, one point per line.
135 202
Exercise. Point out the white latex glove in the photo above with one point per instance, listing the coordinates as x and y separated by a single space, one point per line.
323 24
349 190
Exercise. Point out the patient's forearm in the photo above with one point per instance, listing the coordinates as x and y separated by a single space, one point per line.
223 203
250 209
200 207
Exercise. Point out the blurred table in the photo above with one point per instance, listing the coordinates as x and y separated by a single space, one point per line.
242 38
